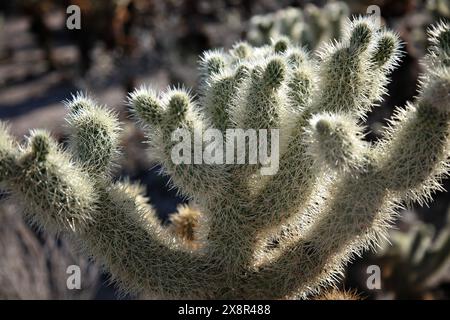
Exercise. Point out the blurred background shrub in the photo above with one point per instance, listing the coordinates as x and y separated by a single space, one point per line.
125 43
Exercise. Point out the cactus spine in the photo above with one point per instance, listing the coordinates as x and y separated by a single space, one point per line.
307 27
333 196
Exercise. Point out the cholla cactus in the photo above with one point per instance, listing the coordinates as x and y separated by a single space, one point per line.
333 196
308 27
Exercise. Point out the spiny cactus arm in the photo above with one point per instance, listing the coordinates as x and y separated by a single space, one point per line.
241 51
220 93
415 154
301 80
277 201
387 51
231 247
336 142
262 105
414 175
171 119
289 22
383 59
351 221
439 54
94 135
57 194
308 27
212 62
281 44
219 86
141 255
353 72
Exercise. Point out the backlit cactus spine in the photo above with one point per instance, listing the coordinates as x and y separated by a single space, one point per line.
333 196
